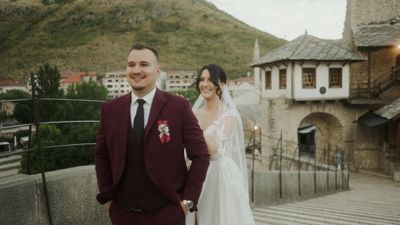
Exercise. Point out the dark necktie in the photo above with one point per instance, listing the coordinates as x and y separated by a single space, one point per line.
138 123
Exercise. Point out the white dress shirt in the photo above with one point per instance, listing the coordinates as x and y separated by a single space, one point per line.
146 106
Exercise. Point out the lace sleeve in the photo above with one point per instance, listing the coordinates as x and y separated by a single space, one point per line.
217 138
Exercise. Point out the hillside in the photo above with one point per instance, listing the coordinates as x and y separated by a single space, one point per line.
97 35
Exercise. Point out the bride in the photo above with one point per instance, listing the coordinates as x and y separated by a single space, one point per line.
224 199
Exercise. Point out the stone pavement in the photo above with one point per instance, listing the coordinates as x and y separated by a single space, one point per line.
371 200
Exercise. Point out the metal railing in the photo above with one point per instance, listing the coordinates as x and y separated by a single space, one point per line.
284 158
378 86
39 148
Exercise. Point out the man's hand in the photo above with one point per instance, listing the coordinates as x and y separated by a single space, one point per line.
108 205
184 207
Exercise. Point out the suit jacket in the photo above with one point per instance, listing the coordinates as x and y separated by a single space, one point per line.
164 162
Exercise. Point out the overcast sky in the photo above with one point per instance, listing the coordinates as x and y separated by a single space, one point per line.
289 19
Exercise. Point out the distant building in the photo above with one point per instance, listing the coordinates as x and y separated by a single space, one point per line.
116 83
68 79
241 86
180 79
6 85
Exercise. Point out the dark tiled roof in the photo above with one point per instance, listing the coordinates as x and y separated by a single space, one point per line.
308 47
390 111
380 35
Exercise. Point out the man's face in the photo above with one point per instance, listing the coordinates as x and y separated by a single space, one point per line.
143 71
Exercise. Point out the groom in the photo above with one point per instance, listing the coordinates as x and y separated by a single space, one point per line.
140 164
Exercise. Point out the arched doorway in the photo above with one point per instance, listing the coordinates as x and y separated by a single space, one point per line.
319 136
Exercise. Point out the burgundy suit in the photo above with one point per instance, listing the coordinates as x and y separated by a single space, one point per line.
164 162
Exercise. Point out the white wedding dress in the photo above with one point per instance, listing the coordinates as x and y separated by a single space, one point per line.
224 199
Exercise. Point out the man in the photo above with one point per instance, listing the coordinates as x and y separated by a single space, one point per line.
140 164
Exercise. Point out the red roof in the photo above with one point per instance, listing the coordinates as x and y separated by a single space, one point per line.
7 83
72 79
69 77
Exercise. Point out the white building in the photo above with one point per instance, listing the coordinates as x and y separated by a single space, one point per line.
68 79
307 69
116 84
306 84
180 79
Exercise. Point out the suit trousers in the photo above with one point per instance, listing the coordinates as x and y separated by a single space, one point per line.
171 214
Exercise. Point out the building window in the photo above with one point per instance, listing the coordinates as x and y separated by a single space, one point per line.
267 79
282 79
335 77
309 78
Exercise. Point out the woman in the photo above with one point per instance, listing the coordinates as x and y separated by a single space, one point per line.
224 199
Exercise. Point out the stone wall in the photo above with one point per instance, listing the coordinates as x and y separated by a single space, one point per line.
361 12
337 127
72 194
268 190
372 11
72 198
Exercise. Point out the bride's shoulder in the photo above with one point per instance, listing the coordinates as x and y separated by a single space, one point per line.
198 112
228 112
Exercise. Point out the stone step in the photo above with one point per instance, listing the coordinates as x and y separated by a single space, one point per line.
281 219
354 211
295 218
10 159
10 166
8 173
375 173
330 216
361 208
315 218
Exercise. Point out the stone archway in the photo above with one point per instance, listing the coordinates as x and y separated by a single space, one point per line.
328 135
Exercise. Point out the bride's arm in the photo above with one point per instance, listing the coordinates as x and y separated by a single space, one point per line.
216 141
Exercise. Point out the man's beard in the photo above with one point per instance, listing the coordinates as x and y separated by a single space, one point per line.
137 88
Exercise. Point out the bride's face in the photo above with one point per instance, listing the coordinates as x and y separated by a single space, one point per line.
207 88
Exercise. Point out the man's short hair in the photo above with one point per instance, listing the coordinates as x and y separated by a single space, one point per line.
141 46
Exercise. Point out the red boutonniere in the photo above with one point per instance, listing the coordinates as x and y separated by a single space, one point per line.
163 128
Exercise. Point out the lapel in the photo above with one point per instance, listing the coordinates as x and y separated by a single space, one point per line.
158 102
125 123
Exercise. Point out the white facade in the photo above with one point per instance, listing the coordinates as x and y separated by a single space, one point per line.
180 80
294 83
116 84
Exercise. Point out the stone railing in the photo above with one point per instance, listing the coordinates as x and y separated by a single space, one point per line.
72 194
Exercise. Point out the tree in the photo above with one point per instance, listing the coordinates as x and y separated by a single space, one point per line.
190 94
49 135
84 110
48 80
22 110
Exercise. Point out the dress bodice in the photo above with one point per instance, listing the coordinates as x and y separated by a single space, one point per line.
219 133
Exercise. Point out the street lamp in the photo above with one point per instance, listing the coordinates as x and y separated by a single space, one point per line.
252 165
